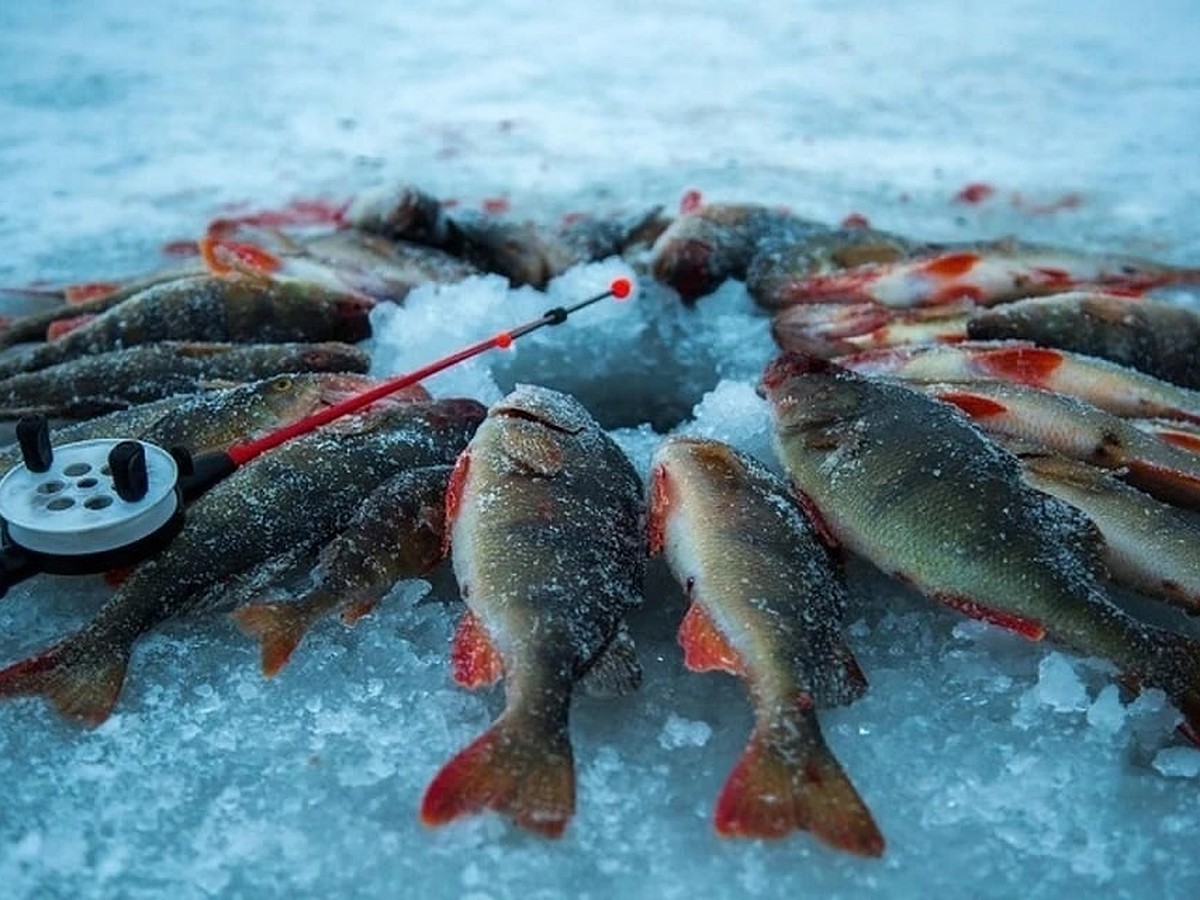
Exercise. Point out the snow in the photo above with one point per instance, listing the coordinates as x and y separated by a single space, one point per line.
995 768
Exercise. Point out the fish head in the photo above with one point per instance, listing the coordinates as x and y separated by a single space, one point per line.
552 409
286 398
807 391
684 454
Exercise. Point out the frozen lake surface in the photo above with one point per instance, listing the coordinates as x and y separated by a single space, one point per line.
995 768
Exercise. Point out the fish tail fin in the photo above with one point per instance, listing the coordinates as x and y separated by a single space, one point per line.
787 779
81 677
280 627
517 768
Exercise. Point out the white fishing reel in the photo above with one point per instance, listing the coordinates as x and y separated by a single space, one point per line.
87 506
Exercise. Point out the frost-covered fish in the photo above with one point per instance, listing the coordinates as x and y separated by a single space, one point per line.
1185 435
526 253
544 514
773 269
215 419
209 309
702 248
1118 389
88 300
920 492
829 330
396 533
1161 339
523 252
97 384
278 508
1080 431
766 605
1149 546
993 274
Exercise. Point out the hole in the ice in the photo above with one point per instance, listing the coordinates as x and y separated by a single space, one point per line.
74 470
99 502
60 503
86 483
50 487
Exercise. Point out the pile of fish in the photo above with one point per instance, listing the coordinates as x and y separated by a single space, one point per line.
1007 427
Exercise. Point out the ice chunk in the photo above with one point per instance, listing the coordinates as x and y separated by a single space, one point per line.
680 732
1178 762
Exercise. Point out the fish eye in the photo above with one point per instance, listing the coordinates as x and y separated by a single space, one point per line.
283 384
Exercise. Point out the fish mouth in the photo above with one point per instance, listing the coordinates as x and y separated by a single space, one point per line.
791 364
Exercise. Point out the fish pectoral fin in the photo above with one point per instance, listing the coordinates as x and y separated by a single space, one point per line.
855 255
1026 628
474 660
531 447
615 671
280 627
705 649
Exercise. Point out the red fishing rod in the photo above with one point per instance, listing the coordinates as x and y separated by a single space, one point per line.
90 506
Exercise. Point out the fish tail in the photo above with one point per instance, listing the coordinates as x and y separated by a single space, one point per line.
518 768
788 779
279 626
80 676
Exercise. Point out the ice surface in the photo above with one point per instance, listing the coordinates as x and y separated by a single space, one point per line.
995 768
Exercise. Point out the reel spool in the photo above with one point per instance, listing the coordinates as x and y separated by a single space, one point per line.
87 506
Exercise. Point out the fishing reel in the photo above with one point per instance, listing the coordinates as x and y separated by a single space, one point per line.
88 506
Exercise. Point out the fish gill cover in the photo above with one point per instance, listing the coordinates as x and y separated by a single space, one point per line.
994 767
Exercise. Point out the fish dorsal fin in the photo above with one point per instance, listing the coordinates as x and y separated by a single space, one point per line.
705 649
532 447
615 671
474 659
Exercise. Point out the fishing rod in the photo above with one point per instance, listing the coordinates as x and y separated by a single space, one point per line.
94 505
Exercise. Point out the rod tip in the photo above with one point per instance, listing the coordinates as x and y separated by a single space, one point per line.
621 288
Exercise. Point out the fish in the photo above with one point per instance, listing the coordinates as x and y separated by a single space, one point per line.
266 515
97 384
403 212
773 269
545 518
209 309
915 488
766 603
349 261
396 533
989 275
1118 389
528 254
701 249
830 330
215 419
1149 546
1152 336
89 300
1078 430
